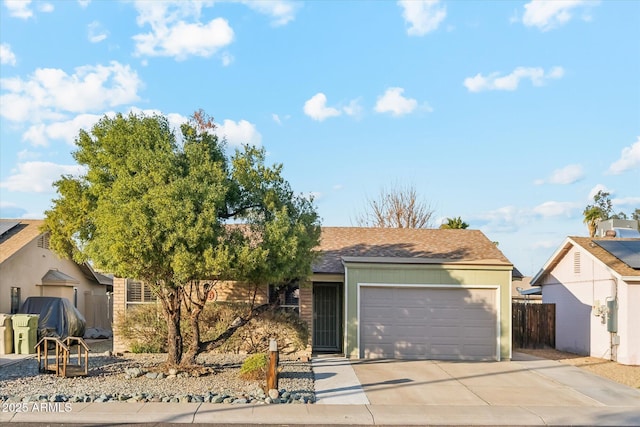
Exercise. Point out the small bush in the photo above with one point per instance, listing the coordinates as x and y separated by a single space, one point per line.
144 328
255 367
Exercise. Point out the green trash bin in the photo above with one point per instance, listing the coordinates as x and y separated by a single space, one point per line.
25 333
6 334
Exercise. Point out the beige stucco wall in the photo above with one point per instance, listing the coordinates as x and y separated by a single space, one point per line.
428 274
25 270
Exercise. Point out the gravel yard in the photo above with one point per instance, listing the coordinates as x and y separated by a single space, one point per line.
134 378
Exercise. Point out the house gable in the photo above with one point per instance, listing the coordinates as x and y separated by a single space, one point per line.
586 282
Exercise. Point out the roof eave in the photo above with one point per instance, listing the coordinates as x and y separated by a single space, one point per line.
553 260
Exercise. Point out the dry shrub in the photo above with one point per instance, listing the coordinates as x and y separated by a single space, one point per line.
145 329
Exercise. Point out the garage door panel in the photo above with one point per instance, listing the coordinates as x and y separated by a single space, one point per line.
428 323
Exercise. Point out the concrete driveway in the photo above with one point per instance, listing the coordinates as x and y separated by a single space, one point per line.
525 382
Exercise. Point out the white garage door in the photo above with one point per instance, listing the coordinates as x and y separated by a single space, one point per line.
428 323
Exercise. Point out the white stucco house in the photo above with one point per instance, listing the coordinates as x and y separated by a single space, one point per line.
28 268
595 284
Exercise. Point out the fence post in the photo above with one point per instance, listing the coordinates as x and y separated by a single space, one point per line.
272 373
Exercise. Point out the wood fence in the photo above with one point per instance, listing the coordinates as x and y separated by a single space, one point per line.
533 325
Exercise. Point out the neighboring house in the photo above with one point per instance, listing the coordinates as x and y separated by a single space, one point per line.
400 293
522 291
618 228
595 284
28 268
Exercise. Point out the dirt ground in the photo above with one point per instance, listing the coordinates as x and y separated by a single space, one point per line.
624 374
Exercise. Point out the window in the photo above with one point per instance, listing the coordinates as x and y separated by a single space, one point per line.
15 300
286 296
139 293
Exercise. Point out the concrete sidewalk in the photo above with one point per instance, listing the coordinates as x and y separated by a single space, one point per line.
342 400
210 413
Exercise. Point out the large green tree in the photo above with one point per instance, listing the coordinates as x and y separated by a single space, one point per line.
180 215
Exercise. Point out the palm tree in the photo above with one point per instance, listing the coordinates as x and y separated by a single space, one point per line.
454 223
592 216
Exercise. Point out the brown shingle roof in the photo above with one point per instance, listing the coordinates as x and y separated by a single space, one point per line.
425 244
16 238
604 256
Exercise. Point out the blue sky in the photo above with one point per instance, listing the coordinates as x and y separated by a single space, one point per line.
510 114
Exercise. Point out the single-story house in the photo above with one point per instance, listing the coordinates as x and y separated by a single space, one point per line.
522 291
397 293
595 285
29 268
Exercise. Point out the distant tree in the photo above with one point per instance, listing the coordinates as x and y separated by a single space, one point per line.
397 207
454 223
600 210
153 209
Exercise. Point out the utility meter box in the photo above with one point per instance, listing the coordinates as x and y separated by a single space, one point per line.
25 333
6 334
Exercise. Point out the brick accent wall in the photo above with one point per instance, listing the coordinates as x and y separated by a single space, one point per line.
225 292
119 307
306 310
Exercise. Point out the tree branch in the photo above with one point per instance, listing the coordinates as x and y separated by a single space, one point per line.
239 322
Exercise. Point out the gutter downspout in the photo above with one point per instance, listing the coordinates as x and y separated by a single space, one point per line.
612 320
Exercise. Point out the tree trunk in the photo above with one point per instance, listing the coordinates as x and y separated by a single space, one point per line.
171 299
189 357
195 298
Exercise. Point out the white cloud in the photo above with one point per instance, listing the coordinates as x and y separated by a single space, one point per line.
49 92
40 134
45 7
629 159
632 202
38 177
566 175
393 102
172 35
596 189
28 155
505 219
227 59
19 8
239 133
96 32
553 208
423 16
84 3
7 57
281 12
316 108
550 14
511 81
276 119
353 108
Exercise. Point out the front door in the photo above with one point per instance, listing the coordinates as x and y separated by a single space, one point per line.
327 309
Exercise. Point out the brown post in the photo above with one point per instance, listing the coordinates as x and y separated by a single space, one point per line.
272 373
